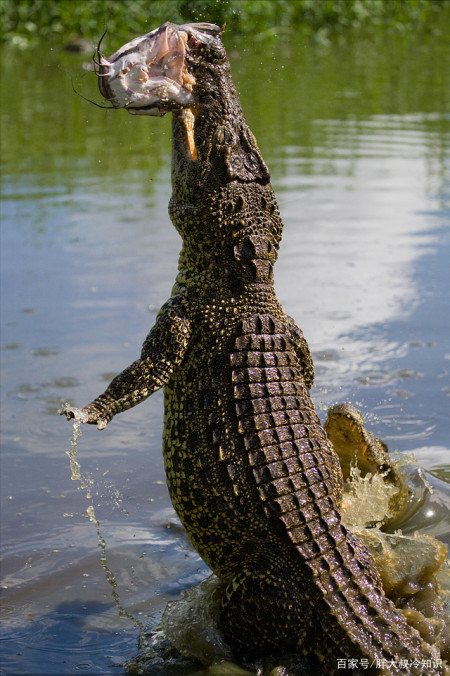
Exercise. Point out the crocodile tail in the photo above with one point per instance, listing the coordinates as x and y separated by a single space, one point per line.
299 483
358 604
345 577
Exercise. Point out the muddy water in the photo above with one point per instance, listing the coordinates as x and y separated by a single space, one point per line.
357 136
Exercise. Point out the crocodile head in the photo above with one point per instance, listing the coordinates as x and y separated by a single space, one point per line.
222 203
184 69
149 75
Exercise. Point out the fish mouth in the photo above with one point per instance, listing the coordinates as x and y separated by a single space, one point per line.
149 75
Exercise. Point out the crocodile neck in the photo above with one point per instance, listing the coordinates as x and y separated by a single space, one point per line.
222 203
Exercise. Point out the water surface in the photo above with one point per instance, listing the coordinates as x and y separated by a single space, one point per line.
357 137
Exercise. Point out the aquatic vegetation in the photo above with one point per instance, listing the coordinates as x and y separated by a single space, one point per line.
24 21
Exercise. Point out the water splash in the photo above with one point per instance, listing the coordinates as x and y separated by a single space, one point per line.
86 480
111 579
86 483
366 499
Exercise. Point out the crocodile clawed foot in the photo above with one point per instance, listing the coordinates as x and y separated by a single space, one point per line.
89 415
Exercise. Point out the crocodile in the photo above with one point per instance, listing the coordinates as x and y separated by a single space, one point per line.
250 470
357 447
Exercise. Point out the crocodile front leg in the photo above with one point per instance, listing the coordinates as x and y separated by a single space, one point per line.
162 351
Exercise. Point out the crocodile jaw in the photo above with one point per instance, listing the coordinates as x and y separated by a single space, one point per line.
149 75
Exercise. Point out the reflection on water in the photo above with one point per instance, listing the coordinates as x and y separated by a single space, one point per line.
357 138
358 220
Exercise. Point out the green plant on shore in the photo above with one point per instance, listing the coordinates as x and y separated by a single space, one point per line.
23 22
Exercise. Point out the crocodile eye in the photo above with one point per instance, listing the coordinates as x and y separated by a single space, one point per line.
223 136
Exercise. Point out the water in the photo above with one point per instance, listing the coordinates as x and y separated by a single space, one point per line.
357 136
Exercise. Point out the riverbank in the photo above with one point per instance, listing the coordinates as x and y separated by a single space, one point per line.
25 22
